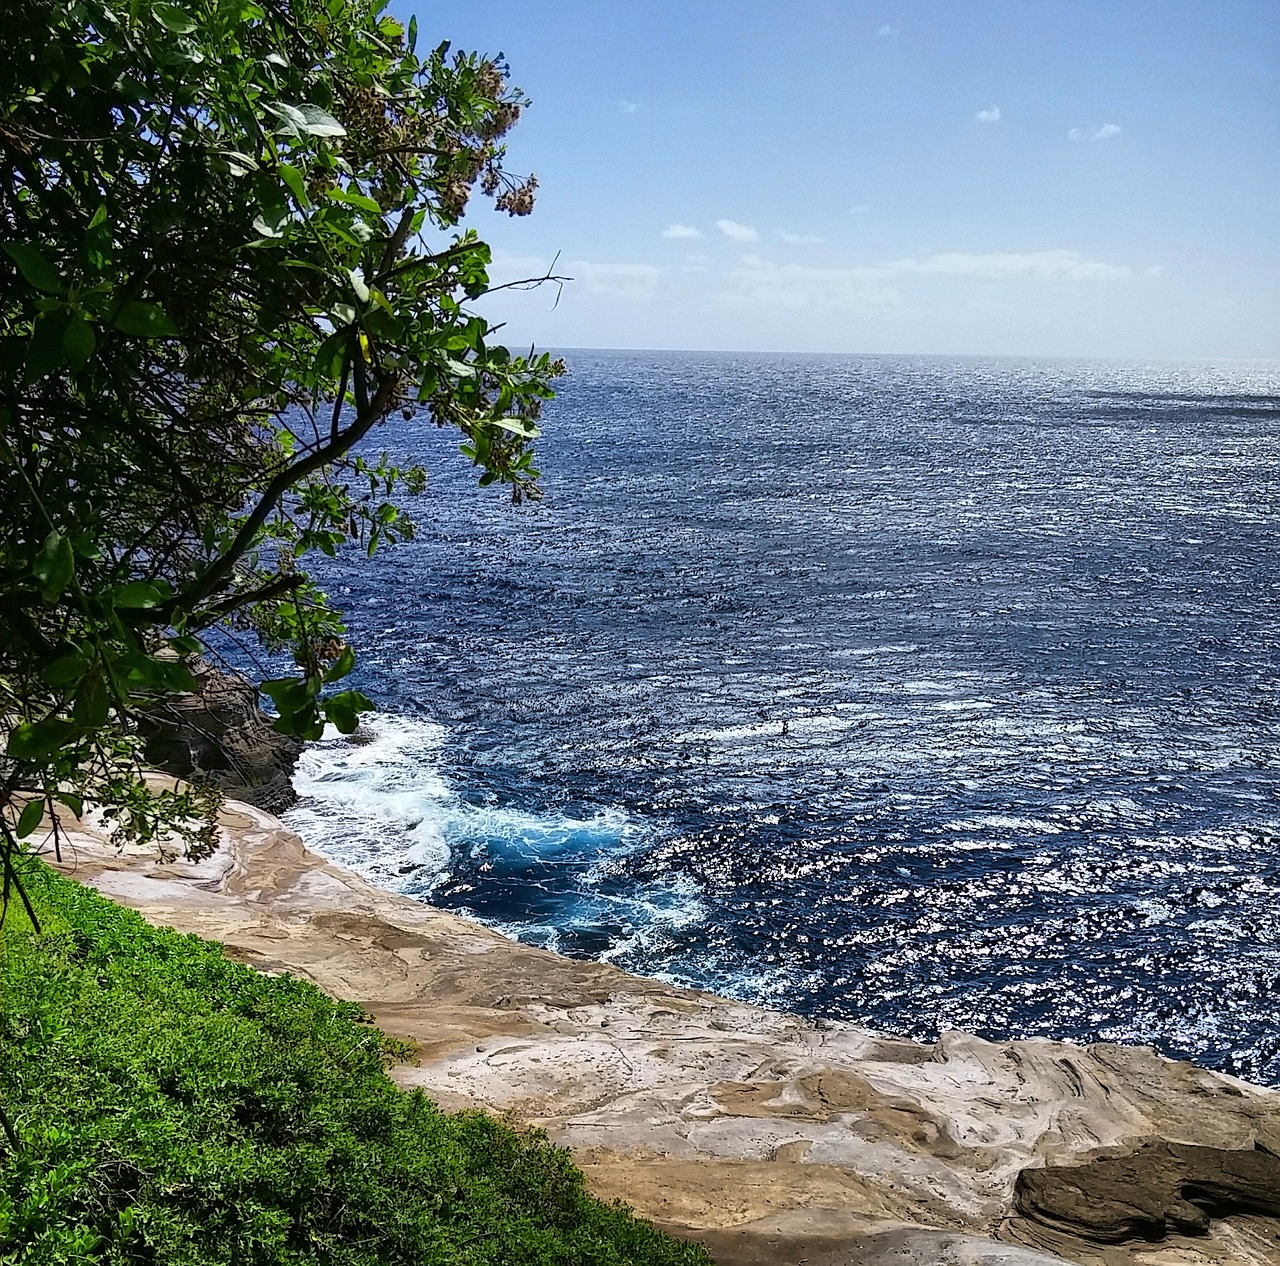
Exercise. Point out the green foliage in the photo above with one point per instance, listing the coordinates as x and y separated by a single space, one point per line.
175 1107
229 253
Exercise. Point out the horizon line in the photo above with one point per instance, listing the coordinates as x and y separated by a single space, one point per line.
1198 359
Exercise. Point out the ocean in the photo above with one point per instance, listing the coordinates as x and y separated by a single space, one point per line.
923 693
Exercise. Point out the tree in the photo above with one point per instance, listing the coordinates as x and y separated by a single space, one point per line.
227 259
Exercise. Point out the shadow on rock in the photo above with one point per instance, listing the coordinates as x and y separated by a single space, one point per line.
1157 1190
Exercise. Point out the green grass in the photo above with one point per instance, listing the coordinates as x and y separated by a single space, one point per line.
177 1109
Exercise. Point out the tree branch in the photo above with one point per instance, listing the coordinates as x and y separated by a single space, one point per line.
277 588
378 408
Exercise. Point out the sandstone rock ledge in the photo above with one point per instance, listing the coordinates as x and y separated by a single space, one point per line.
771 1139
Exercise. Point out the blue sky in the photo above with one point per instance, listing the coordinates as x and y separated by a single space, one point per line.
1095 179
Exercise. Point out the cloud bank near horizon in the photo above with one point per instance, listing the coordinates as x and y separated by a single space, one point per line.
910 301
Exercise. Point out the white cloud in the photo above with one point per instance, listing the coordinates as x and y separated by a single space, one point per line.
1154 271
681 232
887 32
872 285
990 115
506 268
627 107
800 286
738 232
1104 133
1011 266
623 281
619 281
799 239
759 282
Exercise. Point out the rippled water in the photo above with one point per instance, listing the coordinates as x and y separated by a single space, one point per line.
924 693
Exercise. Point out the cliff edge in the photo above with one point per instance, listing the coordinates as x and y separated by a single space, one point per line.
770 1138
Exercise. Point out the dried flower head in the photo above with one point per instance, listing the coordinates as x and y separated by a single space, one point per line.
518 200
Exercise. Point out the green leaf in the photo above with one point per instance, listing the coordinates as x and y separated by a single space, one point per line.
78 339
174 18
54 567
98 241
342 665
34 266
341 716
293 180
237 163
332 353
39 741
137 595
66 670
319 123
147 320
354 199
266 228
291 695
73 802
518 426
291 118
307 723
46 352
280 687
30 818
92 703
304 119
142 672
344 709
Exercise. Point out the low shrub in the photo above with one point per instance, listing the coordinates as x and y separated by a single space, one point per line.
177 1109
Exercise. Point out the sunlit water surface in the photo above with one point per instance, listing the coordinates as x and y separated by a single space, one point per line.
924 693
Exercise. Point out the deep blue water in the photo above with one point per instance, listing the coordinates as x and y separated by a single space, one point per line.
923 693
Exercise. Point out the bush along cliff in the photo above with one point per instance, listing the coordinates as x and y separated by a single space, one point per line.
165 1105
229 253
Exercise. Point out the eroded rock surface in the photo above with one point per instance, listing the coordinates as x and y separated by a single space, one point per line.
1151 1191
772 1139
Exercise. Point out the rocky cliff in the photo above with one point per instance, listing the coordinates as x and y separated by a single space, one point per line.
220 736
770 1138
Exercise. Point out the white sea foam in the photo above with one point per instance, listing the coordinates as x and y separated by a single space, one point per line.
1004 822
377 803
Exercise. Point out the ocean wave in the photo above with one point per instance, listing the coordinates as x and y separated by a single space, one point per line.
377 803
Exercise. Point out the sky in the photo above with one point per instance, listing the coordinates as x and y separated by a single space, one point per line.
1075 178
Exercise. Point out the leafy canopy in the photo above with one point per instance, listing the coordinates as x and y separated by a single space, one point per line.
228 252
